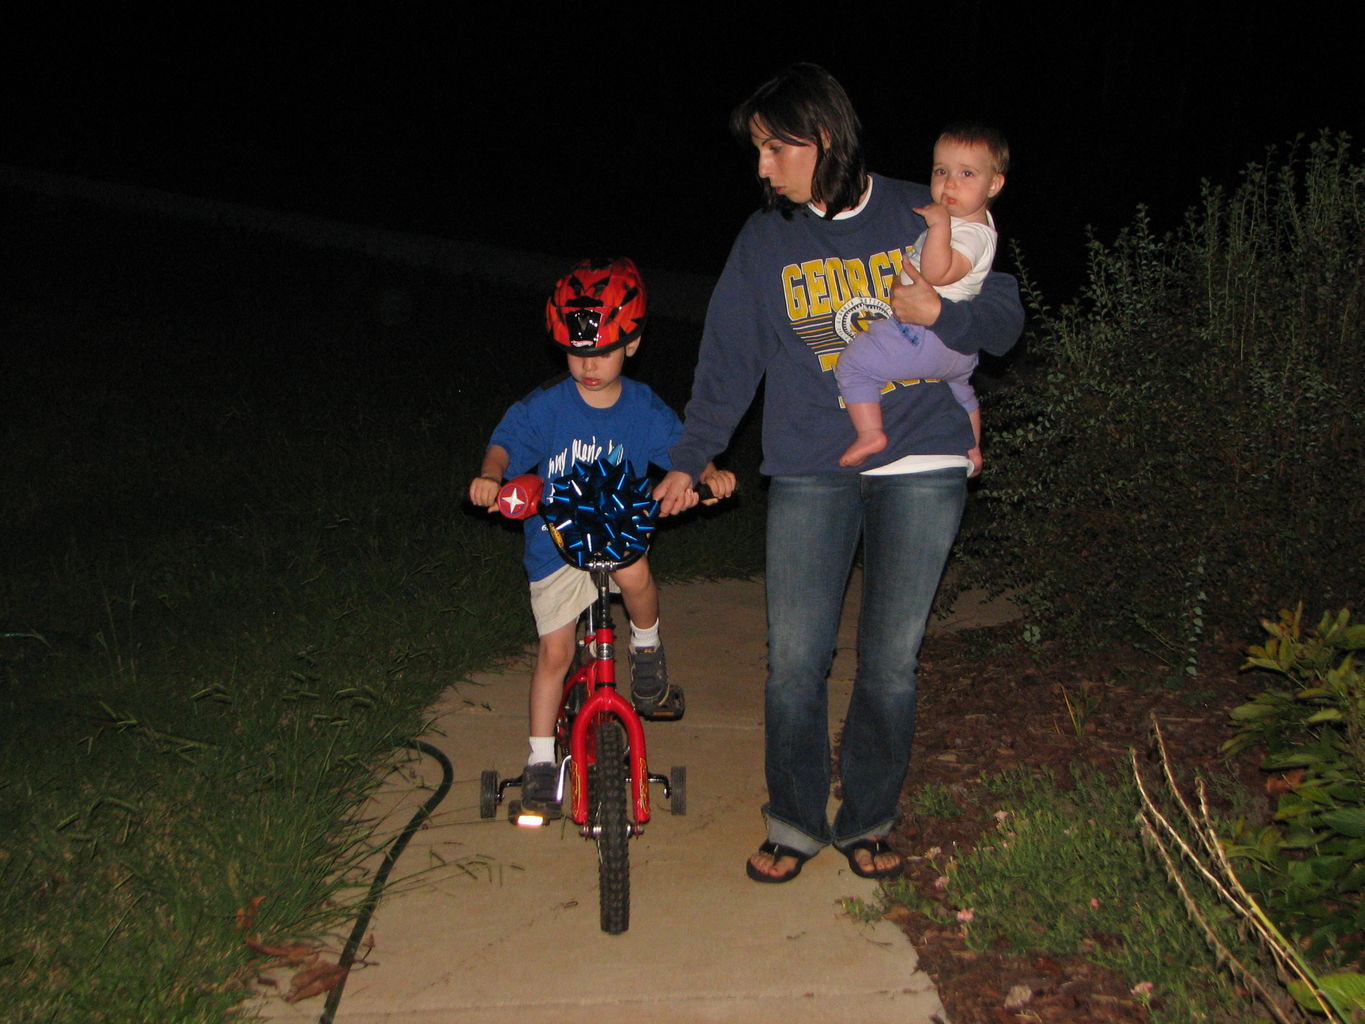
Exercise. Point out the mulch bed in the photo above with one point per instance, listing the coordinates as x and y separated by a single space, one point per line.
985 713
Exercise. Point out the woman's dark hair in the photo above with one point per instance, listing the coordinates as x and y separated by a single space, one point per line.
805 105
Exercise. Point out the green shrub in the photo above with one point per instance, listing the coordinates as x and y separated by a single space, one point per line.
1308 866
1189 445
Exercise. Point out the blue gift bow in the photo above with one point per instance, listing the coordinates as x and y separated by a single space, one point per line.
599 511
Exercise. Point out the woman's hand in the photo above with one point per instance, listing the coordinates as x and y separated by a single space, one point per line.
913 299
720 481
674 493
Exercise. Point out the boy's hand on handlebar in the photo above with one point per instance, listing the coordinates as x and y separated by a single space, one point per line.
483 492
674 493
484 488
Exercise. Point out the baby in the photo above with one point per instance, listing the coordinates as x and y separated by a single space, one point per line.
954 254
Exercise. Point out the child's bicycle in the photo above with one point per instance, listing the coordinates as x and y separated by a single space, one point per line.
600 520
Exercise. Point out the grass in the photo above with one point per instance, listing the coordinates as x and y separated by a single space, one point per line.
239 568
1064 873
935 800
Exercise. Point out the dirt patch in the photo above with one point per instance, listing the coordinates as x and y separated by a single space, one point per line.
986 708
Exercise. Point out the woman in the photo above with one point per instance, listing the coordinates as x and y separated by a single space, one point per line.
818 262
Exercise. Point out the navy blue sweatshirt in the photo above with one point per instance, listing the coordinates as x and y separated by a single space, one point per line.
792 294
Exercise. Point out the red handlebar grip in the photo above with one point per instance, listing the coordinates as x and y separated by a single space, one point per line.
520 496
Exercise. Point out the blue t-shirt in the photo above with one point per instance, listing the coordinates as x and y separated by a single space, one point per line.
552 428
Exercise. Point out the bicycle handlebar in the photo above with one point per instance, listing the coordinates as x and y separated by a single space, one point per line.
598 516
520 497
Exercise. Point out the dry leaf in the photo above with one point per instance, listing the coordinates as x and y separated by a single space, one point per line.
1285 783
315 980
295 953
246 916
899 914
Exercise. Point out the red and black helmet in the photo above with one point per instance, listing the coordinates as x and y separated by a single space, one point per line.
597 307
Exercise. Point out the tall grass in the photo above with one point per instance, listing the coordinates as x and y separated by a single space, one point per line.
239 566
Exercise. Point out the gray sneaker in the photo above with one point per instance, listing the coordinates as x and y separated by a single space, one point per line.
540 789
654 698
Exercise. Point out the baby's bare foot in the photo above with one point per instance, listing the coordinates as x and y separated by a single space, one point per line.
868 442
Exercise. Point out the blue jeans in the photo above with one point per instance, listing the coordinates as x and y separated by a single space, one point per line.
908 523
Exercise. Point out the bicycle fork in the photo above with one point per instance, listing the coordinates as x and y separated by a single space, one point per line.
603 705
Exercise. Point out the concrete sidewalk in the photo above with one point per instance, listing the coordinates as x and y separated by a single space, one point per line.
489 923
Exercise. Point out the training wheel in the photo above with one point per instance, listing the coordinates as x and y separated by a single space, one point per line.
488 794
677 789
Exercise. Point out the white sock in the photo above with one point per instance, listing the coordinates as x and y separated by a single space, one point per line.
542 750
644 637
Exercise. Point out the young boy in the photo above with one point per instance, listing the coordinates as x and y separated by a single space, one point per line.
954 255
595 314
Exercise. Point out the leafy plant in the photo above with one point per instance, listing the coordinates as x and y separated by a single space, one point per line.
1202 864
1081 707
1309 864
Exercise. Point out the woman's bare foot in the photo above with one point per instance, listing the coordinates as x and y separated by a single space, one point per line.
868 442
873 858
775 863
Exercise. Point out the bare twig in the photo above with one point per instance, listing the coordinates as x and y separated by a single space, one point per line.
1158 830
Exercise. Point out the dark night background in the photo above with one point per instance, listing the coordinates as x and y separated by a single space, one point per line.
605 130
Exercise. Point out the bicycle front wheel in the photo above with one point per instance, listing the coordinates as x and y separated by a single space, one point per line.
612 825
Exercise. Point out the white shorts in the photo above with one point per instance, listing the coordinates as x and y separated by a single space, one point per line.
560 598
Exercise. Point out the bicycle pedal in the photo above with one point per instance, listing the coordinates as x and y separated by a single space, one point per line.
670 709
523 818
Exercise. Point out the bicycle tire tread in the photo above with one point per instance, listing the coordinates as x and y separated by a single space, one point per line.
608 792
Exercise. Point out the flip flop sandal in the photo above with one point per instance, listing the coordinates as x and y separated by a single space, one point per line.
777 851
875 848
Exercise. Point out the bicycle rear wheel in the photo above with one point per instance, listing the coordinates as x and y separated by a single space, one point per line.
607 789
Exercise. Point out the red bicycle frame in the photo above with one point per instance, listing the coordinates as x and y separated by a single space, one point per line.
519 499
598 679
